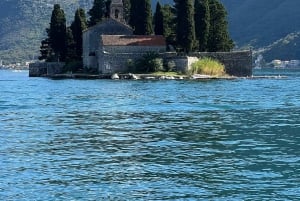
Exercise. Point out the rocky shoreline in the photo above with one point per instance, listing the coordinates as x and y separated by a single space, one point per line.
130 76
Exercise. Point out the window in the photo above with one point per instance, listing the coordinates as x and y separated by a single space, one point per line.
117 12
107 66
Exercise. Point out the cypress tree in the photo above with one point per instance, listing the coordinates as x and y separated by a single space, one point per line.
169 24
107 8
219 39
141 17
97 12
71 47
134 13
57 33
148 28
71 63
202 23
45 50
158 20
78 26
185 30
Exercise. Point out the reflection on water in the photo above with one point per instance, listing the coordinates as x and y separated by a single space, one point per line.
136 140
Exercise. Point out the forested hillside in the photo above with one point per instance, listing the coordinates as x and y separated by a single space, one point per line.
23 23
269 24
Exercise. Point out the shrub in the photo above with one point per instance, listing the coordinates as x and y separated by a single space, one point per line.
170 66
73 66
208 66
149 63
131 66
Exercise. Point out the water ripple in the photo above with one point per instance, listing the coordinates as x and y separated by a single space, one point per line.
125 140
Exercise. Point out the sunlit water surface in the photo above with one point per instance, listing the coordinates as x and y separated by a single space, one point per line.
149 140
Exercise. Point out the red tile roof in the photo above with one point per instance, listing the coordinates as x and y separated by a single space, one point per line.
133 40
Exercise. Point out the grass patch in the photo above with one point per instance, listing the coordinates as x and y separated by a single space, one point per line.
208 66
161 73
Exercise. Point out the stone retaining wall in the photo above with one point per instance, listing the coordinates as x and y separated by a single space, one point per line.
117 63
114 59
45 68
237 63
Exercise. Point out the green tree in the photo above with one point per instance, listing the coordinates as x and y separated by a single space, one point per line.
107 8
202 23
158 20
135 13
72 64
97 12
148 28
71 54
169 25
78 26
149 63
45 50
141 17
219 39
185 30
57 33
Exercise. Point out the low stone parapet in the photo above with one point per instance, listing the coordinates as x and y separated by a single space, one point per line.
40 69
237 63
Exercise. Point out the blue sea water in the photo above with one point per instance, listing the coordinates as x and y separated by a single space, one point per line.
150 140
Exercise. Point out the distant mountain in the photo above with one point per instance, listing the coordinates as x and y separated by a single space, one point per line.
271 26
262 22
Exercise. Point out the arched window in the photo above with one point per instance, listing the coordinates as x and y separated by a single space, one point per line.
117 12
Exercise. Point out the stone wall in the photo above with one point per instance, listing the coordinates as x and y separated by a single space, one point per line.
115 59
237 63
45 68
37 69
180 62
117 63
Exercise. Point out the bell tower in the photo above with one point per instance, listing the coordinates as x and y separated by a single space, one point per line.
117 10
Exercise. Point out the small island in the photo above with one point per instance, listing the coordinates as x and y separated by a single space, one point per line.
119 42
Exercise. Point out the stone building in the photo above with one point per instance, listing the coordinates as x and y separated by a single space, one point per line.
117 50
108 45
91 40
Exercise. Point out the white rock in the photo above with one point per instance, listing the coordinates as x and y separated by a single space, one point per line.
115 76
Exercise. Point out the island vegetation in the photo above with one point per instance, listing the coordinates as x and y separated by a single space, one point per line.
208 66
187 25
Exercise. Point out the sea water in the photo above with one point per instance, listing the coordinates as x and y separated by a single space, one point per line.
150 140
